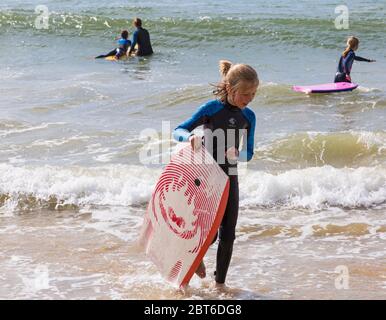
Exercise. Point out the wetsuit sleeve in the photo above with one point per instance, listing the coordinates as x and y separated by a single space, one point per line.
183 131
348 62
361 59
135 38
246 154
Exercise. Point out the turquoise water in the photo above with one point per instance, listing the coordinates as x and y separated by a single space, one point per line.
70 143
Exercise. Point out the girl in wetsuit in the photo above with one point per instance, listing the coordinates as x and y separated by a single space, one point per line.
123 46
347 59
228 113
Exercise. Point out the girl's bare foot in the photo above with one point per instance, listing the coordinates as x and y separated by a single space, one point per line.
221 287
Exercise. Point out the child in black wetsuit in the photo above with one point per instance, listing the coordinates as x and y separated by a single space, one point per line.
228 113
123 45
347 59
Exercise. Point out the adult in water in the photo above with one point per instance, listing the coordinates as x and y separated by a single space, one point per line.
141 38
123 46
347 59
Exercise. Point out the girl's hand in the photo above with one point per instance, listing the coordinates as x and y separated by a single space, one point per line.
232 154
348 77
195 142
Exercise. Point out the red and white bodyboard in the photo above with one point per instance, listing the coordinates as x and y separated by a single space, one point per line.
184 213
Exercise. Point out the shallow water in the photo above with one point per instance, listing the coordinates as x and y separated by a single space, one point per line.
73 188
92 254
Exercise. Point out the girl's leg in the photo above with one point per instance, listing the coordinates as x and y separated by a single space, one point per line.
227 231
111 53
340 77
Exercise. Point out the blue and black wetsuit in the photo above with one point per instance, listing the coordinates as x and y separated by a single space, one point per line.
123 46
345 65
234 123
142 38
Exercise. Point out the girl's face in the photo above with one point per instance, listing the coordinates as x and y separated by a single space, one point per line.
242 96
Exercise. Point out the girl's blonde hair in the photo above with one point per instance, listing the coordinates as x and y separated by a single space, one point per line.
352 43
234 75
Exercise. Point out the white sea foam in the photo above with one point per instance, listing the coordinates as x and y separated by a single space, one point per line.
108 185
124 185
315 187
5 133
365 89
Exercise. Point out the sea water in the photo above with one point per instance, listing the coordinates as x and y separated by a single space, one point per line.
74 183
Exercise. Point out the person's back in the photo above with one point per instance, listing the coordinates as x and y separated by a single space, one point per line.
144 44
124 44
141 38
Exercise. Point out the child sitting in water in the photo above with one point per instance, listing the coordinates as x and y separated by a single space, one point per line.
123 45
347 59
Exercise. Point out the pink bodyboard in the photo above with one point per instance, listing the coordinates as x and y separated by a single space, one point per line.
326 88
